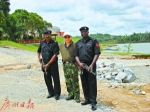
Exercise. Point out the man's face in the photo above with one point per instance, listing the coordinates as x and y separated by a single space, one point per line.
84 33
47 36
67 38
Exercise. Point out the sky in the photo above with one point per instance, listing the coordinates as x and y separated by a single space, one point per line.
115 17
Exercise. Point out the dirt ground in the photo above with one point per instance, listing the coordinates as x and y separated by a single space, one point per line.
120 99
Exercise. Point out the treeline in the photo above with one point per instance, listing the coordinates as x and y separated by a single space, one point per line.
20 24
133 38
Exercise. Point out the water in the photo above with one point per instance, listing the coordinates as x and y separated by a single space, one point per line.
137 47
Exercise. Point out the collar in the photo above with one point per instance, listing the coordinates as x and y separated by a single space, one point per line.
69 45
48 42
85 40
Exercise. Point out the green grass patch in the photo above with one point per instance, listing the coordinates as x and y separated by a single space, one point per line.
29 47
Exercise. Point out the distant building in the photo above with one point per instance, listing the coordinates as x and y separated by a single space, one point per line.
56 30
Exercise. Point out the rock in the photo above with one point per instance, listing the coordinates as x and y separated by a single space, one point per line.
112 65
119 66
113 77
143 93
99 71
108 76
129 78
100 91
115 102
100 64
118 72
28 66
137 91
111 57
105 70
35 68
114 73
128 71
120 76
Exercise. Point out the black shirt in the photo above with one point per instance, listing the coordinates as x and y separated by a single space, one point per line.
87 50
47 50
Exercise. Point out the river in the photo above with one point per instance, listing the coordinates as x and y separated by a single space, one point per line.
137 47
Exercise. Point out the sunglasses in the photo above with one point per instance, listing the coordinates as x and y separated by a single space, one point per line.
67 37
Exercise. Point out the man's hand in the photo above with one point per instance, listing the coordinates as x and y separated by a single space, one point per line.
81 65
90 68
40 60
46 66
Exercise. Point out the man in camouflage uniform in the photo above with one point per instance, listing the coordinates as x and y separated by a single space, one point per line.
70 68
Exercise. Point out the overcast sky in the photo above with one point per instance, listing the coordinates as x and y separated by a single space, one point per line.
119 17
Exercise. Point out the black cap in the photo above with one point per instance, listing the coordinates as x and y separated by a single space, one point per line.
84 28
47 32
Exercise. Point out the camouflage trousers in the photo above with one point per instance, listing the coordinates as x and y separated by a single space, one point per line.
71 78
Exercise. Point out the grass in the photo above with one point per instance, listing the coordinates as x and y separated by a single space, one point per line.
30 47
12 44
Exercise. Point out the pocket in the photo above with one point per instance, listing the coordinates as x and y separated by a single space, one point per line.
80 49
89 48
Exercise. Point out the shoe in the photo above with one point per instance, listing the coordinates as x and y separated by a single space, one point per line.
50 95
77 100
56 97
85 102
93 107
70 98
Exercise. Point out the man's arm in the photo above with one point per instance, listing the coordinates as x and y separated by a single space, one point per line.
39 57
97 53
39 53
95 59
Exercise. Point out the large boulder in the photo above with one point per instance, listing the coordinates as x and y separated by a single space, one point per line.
120 76
129 78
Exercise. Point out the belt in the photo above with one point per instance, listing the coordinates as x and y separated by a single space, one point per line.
64 62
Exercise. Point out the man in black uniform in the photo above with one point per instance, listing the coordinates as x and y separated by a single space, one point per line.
49 50
87 52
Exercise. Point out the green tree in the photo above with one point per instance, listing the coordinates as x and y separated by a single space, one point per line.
128 48
2 23
118 48
4 6
4 11
30 23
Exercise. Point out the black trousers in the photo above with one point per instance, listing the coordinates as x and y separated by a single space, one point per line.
89 85
53 73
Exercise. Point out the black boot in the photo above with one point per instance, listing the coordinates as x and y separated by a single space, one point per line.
85 102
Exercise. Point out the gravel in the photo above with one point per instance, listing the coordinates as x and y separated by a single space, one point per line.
25 84
14 56
20 85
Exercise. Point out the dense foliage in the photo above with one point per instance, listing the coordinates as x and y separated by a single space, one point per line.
134 38
20 24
